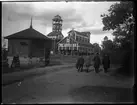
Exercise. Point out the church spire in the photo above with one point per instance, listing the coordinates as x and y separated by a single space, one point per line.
31 23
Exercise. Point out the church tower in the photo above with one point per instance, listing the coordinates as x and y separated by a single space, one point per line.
57 24
56 34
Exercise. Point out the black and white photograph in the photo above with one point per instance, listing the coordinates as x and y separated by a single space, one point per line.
68 52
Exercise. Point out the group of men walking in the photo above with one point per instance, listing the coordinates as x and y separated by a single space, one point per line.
93 60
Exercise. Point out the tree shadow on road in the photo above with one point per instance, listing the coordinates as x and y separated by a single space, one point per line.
102 94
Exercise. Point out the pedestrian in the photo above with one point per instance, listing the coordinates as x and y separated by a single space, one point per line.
47 57
88 61
106 62
15 61
97 62
80 63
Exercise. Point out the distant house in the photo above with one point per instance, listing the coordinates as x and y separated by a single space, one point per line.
28 43
75 43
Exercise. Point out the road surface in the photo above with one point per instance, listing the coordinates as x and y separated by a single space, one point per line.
69 86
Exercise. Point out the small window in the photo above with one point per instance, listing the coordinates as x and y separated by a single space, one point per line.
85 40
76 38
79 38
23 43
82 39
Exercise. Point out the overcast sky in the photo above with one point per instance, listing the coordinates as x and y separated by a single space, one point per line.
82 16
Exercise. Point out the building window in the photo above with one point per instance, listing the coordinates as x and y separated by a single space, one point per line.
84 40
82 48
23 43
79 38
54 26
68 40
76 38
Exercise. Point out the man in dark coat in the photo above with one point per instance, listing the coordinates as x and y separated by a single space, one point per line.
97 62
80 63
47 57
106 62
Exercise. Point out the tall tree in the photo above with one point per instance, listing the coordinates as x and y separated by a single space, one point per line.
107 45
121 20
105 38
97 48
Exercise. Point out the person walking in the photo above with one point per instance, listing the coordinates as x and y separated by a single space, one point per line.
15 61
106 62
80 63
97 62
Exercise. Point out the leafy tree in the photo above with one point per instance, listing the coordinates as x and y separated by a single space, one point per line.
97 48
107 45
121 20
105 38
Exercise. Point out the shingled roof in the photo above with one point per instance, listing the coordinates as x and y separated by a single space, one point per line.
80 43
81 33
86 44
29 33
54 33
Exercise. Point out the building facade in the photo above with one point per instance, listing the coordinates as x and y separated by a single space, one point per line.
28 43
76 43
56 34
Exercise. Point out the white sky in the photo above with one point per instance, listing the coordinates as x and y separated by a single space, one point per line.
82 16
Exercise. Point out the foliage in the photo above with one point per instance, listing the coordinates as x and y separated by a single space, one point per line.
107 46
105 38
96 48
121 20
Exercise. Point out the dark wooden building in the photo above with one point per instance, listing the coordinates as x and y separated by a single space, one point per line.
28 43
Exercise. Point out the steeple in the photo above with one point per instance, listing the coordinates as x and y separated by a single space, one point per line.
31 23
57 23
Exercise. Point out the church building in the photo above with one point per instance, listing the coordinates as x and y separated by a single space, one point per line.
56 34
76 43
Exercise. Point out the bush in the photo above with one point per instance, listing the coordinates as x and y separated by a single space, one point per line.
116 57
125 59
